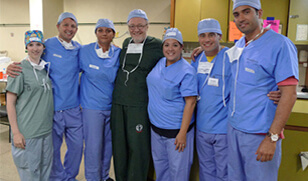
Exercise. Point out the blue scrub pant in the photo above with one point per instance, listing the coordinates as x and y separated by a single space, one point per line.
170 164
242 163
35 161
98 146
212 153
69 124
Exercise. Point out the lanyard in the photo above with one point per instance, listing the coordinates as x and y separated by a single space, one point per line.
44 80
124 61
254 37
208 75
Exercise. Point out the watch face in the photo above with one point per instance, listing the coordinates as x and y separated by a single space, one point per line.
274 137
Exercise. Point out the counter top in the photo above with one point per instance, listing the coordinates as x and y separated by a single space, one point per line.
299 114
302 95
301 106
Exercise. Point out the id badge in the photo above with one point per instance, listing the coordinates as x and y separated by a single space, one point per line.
94 66
213 82
205 67
134 48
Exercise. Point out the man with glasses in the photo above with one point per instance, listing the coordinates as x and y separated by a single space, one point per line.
130 124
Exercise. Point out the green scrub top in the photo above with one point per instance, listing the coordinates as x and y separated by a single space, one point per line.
135 92
34 105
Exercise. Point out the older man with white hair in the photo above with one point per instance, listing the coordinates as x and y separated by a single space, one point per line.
130 123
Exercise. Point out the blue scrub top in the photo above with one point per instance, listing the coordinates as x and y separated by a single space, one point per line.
167 87
212 115
97 79
264 62
64 73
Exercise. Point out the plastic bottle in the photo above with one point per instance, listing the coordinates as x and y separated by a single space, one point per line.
4 74
1 75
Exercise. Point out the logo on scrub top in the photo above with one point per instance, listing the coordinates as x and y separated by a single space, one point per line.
139 128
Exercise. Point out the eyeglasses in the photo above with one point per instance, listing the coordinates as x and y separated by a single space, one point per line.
136 26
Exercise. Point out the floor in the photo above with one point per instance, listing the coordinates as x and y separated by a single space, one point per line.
8 171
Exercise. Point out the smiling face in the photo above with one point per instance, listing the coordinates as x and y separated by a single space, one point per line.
172 50
247 20
35 50
138 28
209 42
67 29
104 35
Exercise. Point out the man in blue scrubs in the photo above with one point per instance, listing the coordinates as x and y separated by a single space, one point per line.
212 114
261 61
62 53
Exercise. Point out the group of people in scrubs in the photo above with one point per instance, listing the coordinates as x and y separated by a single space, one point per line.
61 54
145 97
174 89
98 63
248 132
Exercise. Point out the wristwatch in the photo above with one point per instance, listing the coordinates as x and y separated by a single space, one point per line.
274 137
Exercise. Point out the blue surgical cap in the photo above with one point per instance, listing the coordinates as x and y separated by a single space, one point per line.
67 15
173 33
105 23
209 25
137 13
253 3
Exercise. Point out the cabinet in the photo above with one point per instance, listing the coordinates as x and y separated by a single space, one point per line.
296 136
189 13
187 16
218 10
290 167
298 14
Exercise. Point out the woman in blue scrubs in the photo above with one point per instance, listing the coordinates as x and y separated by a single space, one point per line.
172 86
99 62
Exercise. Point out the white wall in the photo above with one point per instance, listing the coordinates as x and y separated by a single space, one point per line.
89 11
12 36
86 11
